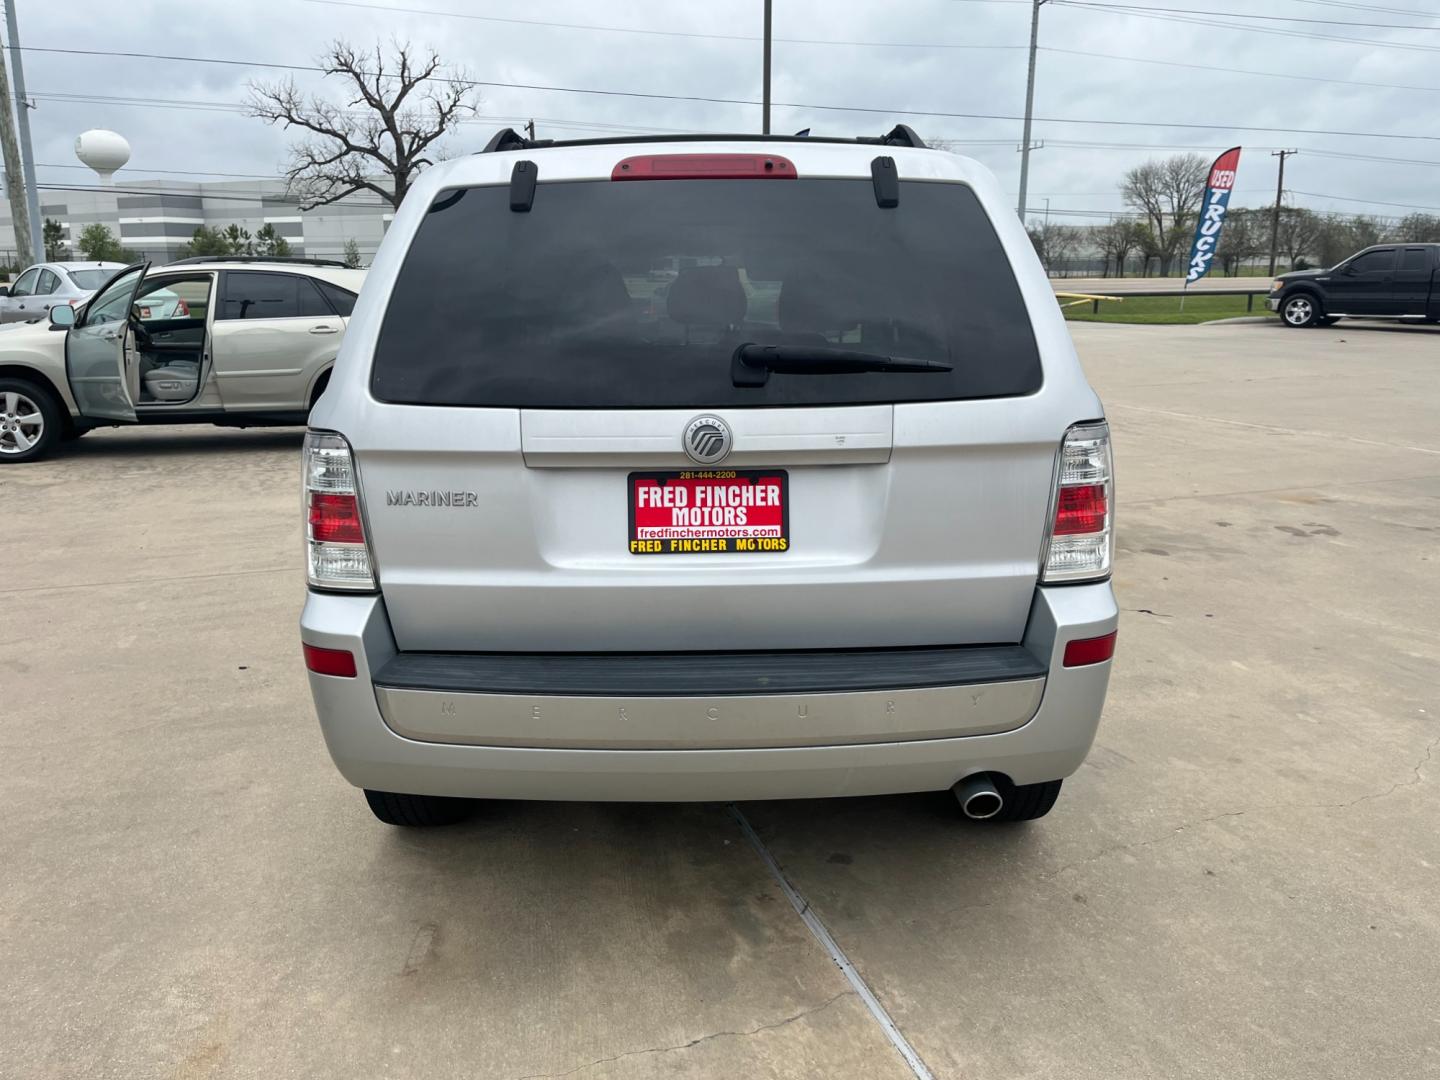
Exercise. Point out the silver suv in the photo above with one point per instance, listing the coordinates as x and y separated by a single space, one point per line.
707 469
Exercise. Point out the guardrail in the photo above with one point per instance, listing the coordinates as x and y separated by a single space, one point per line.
1094 298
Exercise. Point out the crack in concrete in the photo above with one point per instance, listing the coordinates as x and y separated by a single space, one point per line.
695 1042
1417 776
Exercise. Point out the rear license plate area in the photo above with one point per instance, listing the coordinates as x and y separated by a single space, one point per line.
710 512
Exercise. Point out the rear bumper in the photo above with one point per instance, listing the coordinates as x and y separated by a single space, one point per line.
876 740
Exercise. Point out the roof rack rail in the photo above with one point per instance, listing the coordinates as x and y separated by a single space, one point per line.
257 259
509 139
901 135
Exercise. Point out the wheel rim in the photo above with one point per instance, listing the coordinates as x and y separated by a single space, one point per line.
1298 311
22 424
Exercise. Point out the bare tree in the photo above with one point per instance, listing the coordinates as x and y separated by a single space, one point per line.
1243 237
1117 240
1365 231
1055 244
1299 233
382 137
1418 229
1168 193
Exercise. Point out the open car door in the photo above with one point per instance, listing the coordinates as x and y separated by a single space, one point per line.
100 359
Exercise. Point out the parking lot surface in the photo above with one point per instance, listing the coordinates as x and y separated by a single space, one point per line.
1240 882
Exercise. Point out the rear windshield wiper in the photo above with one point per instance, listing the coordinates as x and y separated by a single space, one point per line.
752 364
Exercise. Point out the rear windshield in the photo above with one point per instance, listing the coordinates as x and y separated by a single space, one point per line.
90 279
637 295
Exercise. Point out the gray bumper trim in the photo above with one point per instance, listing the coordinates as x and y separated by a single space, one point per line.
707 675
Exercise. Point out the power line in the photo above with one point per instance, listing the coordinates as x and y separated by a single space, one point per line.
174 172
489 120
1197 21
1368 8
591 27
1371 202
1222 14
1240 71
260 197
890 112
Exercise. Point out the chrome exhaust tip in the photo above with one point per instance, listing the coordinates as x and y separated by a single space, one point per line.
978 797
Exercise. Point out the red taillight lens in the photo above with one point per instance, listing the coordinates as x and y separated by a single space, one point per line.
335 519
335 662
705 167
1095 650
1080 509
1080 543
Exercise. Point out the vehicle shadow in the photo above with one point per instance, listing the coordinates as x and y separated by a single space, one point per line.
121 443
902 857
1362 325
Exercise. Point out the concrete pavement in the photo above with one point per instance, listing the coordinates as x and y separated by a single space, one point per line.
1240 881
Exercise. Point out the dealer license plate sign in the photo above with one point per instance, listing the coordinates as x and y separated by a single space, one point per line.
710 512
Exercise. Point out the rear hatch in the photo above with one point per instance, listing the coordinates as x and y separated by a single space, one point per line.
568 455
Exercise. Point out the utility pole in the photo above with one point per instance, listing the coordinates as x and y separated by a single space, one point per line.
1029 106
530 129
765 96
27 154
1275 215
19 216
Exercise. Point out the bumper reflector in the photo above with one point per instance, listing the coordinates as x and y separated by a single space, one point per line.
1095 650
336 662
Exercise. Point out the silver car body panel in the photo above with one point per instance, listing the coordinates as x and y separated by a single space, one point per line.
650 723
370 753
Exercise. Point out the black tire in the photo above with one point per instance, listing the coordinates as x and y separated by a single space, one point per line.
42 439
1301 310
417 811
1327 320
1026 802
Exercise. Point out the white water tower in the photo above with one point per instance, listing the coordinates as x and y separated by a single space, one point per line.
104 151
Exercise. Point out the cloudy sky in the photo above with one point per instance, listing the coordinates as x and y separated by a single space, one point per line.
1330 76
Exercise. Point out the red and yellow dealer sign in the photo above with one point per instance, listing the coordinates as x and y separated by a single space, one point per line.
719 511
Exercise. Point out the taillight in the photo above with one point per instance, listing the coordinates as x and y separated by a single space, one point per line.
338 556
1081 541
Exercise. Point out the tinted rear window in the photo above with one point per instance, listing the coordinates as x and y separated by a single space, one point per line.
342 300
90 279
250 294
636 295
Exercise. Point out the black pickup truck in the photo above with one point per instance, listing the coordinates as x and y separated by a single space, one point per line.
1388 281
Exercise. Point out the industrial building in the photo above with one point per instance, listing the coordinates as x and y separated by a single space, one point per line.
156 218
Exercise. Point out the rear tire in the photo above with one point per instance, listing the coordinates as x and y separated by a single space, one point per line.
417 811
1026 802
1300 311
31 418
